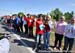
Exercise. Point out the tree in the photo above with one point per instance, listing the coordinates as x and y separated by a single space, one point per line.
56 14
68 15
72 13
20 14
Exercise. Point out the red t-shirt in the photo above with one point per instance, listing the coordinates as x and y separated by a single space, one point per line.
47 28
30 22
25 18
38 23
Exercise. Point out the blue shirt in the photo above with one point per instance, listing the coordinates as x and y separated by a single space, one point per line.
18 20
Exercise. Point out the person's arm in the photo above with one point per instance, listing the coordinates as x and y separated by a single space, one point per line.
34 22
55 24
51 25
66 30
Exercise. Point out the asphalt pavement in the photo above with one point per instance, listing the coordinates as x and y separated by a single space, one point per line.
16 44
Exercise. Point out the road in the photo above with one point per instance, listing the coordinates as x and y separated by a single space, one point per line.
17 45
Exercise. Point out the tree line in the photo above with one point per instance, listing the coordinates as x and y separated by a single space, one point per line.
55 14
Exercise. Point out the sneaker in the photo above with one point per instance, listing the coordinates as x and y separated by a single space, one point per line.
55 48
60 49
50 49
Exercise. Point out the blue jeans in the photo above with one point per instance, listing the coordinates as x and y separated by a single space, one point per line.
38 40
68 42
46 39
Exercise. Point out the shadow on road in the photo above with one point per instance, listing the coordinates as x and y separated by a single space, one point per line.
30 44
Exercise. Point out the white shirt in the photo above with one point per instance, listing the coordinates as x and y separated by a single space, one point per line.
4 45
70 31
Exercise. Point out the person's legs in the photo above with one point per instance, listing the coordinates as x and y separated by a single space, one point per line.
38 41
56 40
39 44
48 39
30 31
66 41
38 36
26 28
17 26
60 41
35 42
21 27
71 42
45 40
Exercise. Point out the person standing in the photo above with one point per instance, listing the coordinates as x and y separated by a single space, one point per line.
69 36
30 25
48 27
59 27
39 31
17 23
21 23
25 24
27 29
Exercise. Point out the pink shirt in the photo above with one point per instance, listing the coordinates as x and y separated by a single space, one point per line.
60 26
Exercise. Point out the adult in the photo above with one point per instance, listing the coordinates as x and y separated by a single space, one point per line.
21 23
69 35
48 27
25 24
59 27
30 25
17 23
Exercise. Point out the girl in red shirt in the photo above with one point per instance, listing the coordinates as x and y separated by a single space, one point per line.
39 31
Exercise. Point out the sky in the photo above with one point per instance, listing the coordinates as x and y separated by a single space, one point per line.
8 7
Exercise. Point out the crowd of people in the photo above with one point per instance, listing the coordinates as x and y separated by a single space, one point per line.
44 26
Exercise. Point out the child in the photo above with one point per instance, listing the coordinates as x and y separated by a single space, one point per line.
39 31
